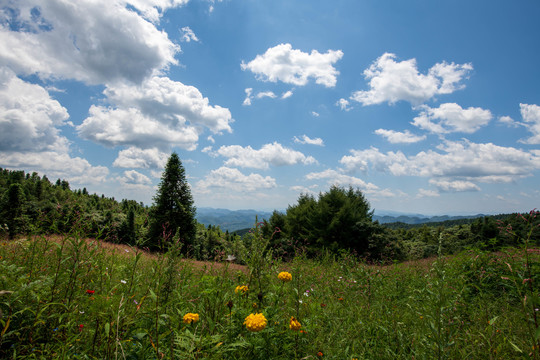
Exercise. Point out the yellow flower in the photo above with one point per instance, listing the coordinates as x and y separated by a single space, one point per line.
191 318
284 276
294 324
255 322
241 289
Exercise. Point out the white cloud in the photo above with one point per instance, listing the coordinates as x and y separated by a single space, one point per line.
133 157
269 154
307 140
264 94
344 104
336 178
531 117
454 186
29 117
507 120
427 193
247 100
456 161
56 165
291 66
451 117
229 179
132 177
314 113
158 113
188 35
392 81
396 137
304 190
287 94
99 41
30 138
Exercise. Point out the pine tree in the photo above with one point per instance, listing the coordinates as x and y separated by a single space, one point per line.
173 211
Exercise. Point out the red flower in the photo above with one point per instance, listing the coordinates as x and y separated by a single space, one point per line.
90 292
81 327
320 354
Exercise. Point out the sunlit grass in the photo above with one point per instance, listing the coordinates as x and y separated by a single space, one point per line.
85 299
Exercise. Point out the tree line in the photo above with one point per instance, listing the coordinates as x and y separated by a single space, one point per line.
338 220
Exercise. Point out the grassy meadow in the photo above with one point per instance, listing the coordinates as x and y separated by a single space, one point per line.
66 297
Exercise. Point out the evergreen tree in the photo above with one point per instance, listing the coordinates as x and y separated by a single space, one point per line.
173 211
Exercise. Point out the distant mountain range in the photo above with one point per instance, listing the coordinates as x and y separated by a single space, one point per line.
230 220
233 220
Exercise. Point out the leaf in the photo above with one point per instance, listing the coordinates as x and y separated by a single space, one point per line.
537 333
139 336
515 347
6 327
492 321
153 295
107 329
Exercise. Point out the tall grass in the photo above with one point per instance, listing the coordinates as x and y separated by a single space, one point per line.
71 298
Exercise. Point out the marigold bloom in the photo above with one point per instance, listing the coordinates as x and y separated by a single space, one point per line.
191 318
90 292
241 289
284 276
255 322
294 324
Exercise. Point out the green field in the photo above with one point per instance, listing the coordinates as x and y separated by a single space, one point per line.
73 298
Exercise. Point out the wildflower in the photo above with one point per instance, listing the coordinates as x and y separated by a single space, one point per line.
90 292
294 324
241 289
123 281
320 354
255 322
340 299
81 327
190 318
135 302
285 276
323 305
230 304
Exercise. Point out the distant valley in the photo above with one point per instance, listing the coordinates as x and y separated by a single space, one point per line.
233 220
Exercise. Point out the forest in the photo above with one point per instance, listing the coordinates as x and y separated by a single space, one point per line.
339 220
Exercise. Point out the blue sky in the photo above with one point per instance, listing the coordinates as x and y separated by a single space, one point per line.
430 107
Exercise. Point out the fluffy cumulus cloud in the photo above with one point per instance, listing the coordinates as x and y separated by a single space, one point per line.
188 35
134 178
291 66
451 117
397 137
29 117
531 118
307 140
269 154
392 81
454 186
157 113
30 138
226 178
344 104
334 177
98 41
456 161
133 157
56 165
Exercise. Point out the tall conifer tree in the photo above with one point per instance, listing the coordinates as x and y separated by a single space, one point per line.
173 211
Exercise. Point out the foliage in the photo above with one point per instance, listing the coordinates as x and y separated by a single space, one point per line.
66 297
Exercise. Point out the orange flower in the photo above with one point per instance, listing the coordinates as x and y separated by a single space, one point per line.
294 324
320 354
